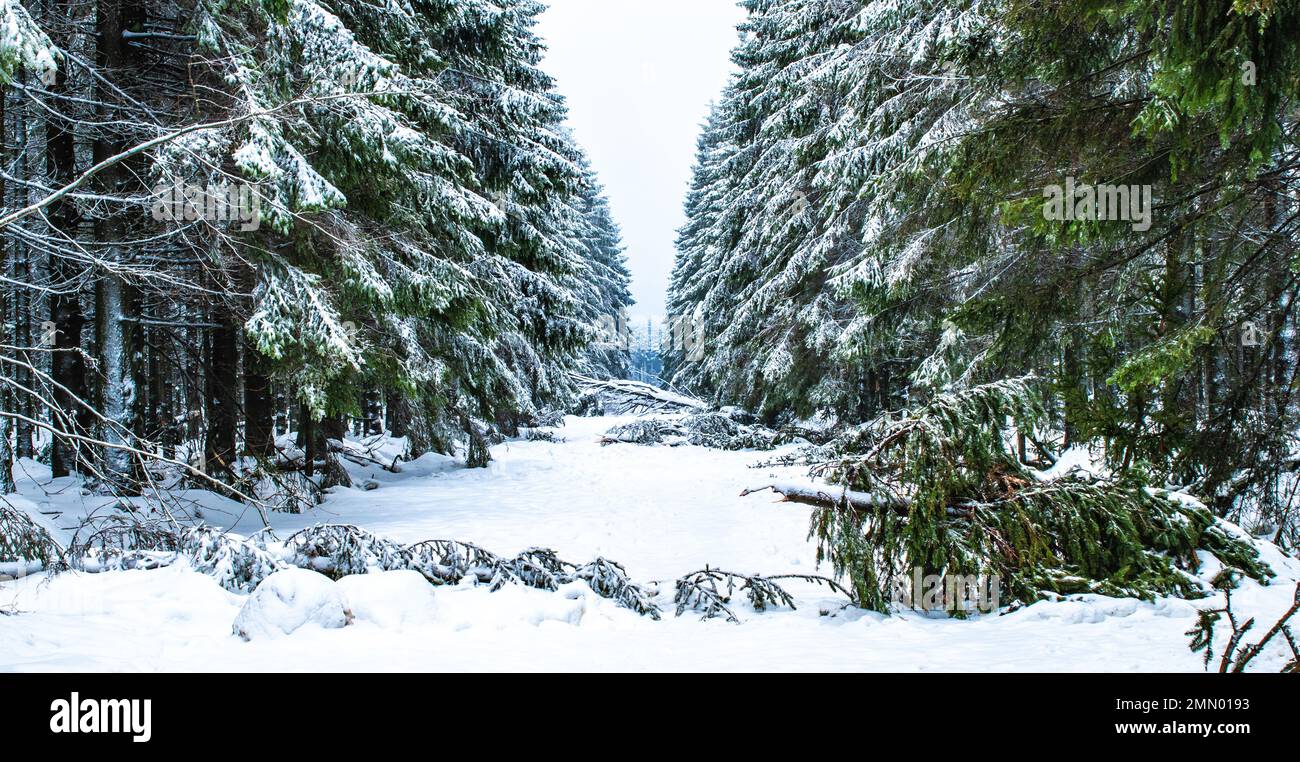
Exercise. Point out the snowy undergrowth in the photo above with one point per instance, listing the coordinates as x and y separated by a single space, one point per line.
662 512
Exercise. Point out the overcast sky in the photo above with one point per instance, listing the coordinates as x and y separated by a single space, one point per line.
638 76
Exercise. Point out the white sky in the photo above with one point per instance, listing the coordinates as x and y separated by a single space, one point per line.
638 76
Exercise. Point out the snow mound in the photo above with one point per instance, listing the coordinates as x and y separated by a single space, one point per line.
290 599
390 599
470 607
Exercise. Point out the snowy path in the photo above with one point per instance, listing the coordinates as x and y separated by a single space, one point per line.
659 511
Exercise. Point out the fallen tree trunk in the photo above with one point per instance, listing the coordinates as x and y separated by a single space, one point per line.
363 458
620 397
807 494
812 495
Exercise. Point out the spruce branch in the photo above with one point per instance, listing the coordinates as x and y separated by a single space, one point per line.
710 590
1238 655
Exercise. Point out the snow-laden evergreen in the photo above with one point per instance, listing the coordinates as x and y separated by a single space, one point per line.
460 250
23 44
420 245
870 224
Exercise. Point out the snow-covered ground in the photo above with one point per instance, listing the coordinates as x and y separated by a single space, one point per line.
660 511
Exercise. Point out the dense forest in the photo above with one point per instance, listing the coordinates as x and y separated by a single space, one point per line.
314 318
226 220
897 201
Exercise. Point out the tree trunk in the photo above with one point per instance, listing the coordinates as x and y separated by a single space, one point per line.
6 457
117 303
70 151
222 403
477 454
283 413
396 414
333 428
371 413
307 440
259 407
116 342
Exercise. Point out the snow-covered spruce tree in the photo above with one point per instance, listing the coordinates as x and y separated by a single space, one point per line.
425 257
762 237
795 171
1136 314
923 137
696 266
607 283
940 488
430 308
525 156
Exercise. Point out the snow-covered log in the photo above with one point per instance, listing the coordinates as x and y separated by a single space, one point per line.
363 454
620 397
830 497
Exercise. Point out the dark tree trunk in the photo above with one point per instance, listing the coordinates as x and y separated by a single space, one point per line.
333 428
67 365
283 413
259 407
395 414
222 402
372 408
6 457
117 302
160 390
477 454
307 440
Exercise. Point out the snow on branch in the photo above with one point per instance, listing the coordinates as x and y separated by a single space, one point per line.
709 591
831 497
23 44
609 580
24 544
240 564
617 397
705 429
340 550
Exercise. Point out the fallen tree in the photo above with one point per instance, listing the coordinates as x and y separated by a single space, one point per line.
941 489
829 497
364 453
621 397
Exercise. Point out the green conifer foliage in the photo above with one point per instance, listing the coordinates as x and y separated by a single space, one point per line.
950 497
868 225
433 230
